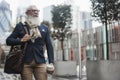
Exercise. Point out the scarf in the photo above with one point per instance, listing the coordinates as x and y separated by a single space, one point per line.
34 31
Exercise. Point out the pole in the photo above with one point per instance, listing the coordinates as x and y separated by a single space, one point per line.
79 49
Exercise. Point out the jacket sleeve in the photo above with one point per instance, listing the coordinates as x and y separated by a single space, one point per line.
49 47
13 38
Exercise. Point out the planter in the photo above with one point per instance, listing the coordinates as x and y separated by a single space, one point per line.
103 70
65 68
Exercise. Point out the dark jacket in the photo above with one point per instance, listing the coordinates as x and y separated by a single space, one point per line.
33 50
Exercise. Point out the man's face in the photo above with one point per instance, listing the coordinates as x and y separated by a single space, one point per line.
33 11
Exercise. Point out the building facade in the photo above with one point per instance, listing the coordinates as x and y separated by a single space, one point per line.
5 20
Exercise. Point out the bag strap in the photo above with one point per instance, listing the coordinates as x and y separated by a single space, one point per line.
26 31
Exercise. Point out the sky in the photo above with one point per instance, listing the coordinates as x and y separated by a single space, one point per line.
14 4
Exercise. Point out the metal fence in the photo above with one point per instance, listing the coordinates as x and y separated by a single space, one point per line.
93 42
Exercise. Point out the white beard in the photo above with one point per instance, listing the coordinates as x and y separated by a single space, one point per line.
34 31
34 20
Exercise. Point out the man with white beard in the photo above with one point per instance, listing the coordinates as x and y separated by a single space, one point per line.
38 36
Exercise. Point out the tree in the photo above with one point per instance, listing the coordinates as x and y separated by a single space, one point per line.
105 11
62 21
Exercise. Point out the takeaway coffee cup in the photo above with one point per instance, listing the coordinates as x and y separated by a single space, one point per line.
50 68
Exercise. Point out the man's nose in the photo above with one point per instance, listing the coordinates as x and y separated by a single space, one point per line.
36 12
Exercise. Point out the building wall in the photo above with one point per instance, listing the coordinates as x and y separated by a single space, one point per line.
5 20
85 21
47 15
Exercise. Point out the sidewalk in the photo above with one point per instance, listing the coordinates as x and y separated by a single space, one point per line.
4 76
62 78
66 78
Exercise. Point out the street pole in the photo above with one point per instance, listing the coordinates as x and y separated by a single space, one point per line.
79 50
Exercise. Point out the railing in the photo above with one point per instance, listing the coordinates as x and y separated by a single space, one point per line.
93 42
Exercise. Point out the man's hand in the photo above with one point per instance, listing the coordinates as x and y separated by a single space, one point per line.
25 38
50 68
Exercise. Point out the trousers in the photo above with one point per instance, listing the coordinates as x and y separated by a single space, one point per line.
37 70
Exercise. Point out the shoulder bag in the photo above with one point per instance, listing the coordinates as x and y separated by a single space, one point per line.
15 59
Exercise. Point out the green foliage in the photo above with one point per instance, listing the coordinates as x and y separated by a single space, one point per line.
61 21
105 10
